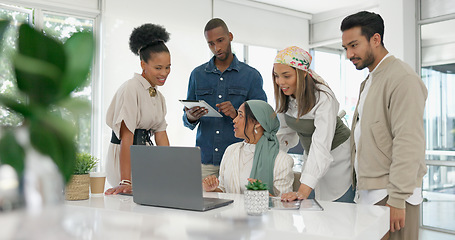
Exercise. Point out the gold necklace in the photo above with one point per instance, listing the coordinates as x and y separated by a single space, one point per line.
152 91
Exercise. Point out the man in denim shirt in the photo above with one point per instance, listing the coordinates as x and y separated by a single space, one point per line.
224 83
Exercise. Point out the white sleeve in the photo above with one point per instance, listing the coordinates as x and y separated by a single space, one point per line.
287 137
319 156
123 108
283 176
222 173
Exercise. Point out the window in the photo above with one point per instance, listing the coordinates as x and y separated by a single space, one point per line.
342 77
437 46
17 16
61 27
262 59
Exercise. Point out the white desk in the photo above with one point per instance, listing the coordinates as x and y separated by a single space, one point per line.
118 217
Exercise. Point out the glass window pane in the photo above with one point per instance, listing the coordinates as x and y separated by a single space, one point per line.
262 58
7 49
438 208
62 27
343 78
328 66
238 50
436 8
438 43
440 110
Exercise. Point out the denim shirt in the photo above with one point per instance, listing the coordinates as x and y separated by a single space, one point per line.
237 84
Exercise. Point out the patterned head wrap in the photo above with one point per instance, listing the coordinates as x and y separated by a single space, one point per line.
297 58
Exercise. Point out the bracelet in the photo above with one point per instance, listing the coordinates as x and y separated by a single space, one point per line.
125 182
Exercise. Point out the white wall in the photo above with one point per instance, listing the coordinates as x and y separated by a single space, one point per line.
254 24
187 46
185 20
325 27
399 38
400 27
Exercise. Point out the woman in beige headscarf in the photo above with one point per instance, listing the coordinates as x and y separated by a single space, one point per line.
308 110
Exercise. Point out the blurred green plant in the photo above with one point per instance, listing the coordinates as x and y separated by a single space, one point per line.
84 163
256 186
47 72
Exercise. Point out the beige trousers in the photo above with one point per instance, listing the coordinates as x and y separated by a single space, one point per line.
411 225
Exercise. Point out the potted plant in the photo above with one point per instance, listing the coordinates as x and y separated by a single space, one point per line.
79 184
47 72
256 198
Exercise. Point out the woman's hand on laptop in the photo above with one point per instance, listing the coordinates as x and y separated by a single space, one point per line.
119 189
210 183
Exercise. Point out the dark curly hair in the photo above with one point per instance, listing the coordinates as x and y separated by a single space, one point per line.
147 39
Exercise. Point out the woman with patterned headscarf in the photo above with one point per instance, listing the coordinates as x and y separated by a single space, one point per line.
308 110
256 158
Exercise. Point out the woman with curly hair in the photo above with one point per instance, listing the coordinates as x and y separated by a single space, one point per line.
137 111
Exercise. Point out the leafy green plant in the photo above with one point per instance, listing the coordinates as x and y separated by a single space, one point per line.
84 163
47 72
256 186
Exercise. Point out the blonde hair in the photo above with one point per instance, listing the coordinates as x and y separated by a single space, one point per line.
305 93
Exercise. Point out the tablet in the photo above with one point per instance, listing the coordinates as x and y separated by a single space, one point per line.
201 103
276 203
306 205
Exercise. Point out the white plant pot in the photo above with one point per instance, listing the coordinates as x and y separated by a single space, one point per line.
256 202
42 181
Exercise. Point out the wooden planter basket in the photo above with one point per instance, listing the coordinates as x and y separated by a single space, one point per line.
78 187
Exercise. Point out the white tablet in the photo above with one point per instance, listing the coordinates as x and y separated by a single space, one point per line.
201 103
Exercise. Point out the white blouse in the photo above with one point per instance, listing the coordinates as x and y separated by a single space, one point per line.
236 167
327 171
132 104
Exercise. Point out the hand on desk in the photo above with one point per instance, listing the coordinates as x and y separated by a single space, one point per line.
210 183
119 189
303 193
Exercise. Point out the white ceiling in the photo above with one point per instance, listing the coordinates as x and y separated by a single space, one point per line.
315 6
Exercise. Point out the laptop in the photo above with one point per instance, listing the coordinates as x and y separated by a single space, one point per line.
170 177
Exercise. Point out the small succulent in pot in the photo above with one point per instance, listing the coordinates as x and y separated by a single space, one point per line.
256 198
256 186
